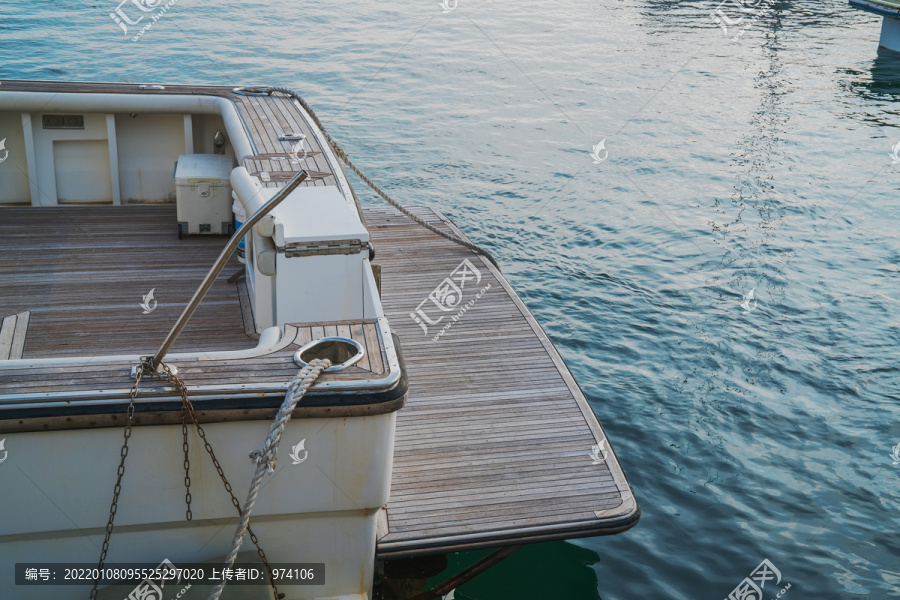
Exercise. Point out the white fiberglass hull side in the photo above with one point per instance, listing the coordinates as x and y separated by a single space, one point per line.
58 486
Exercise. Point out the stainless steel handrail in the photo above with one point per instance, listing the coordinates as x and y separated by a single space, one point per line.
220 264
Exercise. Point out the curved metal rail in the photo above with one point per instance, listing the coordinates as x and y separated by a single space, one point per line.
219 265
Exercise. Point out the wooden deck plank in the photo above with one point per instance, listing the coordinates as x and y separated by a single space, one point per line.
506 516
83 282
289 121
358 334
19 335
376 359
316 159
263 139
7 330
269 116
493 442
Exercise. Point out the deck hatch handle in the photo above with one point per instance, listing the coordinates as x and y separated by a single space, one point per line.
295 249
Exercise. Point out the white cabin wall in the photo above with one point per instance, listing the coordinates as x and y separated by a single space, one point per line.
45 153
14 187
82 172
148 146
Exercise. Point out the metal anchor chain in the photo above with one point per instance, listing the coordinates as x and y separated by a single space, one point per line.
145 368
188 409
187 461
114 506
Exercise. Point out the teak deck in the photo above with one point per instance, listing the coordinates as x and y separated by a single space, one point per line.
83 280
494 444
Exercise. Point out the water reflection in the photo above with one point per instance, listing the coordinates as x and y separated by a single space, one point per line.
885 76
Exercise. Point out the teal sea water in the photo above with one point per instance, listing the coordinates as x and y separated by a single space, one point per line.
757 158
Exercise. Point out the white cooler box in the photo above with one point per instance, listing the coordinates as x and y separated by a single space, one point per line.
203 194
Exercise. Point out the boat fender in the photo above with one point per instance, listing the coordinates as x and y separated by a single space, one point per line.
266 226
265 262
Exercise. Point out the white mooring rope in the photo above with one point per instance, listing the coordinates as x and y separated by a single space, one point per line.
343 156
265 455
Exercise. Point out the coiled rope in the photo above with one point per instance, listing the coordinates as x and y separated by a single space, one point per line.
265 456
343 156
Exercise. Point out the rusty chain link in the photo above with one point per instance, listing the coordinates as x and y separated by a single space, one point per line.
114 506
187 412
187 461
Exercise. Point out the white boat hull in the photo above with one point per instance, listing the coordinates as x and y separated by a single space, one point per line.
57 487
